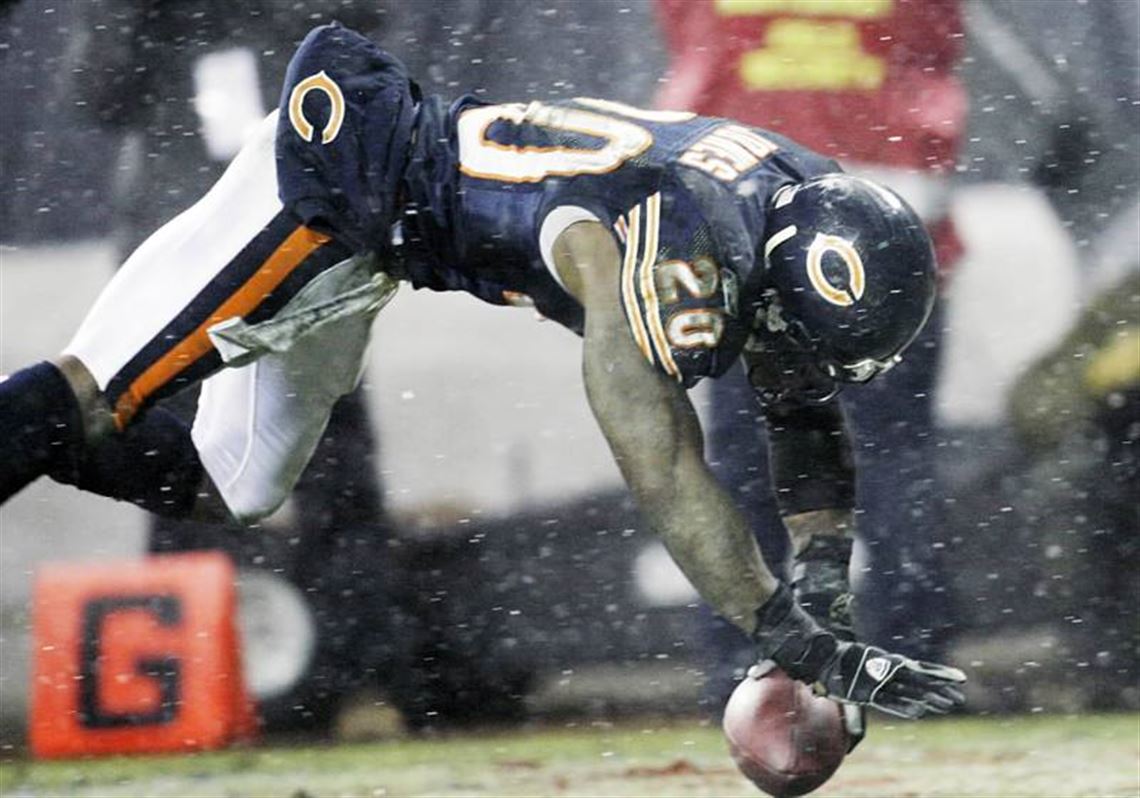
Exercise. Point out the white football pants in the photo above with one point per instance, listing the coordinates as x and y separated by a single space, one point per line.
234 254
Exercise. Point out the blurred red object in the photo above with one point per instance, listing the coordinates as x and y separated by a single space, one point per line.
865 80
871 83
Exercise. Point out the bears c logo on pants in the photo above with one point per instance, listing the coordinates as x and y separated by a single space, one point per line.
323 83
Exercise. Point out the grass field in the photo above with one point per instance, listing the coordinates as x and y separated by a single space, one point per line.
1054 756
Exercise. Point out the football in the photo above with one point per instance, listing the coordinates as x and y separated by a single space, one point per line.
784 738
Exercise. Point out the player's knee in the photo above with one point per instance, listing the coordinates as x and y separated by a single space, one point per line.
250 488
251 509
249 483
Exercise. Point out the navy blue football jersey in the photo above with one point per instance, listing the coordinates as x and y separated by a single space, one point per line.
684 195
485 190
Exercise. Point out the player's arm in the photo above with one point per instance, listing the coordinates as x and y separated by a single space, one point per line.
813 478
813 474
656 440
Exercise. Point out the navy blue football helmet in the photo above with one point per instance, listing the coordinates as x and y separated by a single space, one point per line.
849 280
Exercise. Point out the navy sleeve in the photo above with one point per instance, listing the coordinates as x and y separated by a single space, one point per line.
346 115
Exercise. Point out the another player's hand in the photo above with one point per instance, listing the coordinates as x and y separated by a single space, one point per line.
852 672
897 685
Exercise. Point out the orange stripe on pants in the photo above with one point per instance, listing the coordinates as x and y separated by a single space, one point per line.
291 253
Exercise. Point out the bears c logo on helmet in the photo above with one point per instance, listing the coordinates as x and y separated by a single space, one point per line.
323 83
851 290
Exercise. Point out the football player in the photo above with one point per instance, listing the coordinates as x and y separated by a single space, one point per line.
671 243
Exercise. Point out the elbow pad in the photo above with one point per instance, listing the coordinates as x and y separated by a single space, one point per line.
810 458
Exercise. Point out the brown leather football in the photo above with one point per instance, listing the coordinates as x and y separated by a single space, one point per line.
784 738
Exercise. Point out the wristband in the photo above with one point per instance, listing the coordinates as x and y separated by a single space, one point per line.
791 638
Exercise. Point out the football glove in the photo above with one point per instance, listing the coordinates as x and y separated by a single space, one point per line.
897 685
852 672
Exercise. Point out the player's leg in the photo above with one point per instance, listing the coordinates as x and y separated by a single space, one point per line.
737 447
41 426
50 414
257 426
254 432
902 600
235 253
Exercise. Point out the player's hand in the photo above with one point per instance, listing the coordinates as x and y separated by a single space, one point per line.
870 676
852 672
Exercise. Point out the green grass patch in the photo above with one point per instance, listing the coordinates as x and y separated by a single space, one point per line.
1055 756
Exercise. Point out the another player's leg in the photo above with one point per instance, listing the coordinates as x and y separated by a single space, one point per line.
737 447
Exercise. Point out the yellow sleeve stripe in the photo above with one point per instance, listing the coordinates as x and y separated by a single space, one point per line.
622 228
648 287
628 294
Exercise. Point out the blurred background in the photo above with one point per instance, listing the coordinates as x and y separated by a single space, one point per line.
462 549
